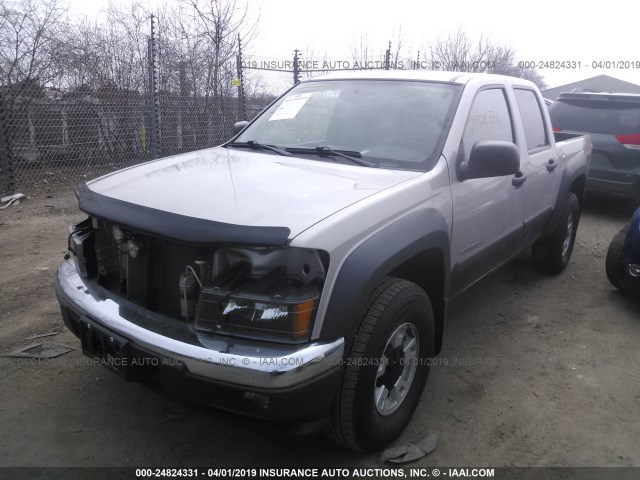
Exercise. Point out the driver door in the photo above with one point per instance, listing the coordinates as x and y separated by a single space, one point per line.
487 212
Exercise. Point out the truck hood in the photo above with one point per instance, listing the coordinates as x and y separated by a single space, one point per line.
247 188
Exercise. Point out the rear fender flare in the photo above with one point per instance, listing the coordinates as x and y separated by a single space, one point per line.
570 174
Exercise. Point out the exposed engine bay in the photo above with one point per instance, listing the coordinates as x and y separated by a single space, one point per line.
252 292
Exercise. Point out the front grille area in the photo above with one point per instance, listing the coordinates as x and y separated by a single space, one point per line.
151 277
258 292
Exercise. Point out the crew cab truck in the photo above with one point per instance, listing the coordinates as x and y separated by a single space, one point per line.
299 274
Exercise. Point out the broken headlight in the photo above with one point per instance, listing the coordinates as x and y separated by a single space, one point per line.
263 294
81 243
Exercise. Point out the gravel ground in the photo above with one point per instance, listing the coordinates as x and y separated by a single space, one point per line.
535 371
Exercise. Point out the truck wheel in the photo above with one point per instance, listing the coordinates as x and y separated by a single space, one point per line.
386 367
552 254
614 264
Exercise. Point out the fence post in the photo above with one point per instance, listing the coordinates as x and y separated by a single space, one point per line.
153 94
6 171
242 112
296 68
387 58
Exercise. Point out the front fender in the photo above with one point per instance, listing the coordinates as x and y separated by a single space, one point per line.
368 264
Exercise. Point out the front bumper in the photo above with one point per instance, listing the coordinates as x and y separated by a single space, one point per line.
268 381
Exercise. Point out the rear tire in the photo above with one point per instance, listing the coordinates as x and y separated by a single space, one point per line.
386 368
615 264
552 254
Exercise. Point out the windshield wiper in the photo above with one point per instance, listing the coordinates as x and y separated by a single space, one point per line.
355 157
259 146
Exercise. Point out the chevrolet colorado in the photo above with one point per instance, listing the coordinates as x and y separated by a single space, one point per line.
299 274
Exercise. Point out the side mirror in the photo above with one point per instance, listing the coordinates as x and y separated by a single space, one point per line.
239 126
490 158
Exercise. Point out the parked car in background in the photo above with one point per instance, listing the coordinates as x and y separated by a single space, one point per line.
613 122
623 258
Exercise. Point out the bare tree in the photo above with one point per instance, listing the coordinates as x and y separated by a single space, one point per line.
363 56
532 75
112 54
80 90
219 23
459 53
310 60
196 46
28 33
398 60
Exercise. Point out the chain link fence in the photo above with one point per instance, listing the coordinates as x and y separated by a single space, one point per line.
52 138
119 94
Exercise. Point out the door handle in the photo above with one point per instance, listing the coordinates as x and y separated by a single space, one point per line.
551 165
518 179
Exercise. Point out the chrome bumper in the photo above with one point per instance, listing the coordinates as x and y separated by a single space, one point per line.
212 358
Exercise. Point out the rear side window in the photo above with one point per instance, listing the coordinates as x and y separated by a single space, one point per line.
596 116
489 119
532 121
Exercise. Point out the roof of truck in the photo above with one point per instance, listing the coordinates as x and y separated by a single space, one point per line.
427 75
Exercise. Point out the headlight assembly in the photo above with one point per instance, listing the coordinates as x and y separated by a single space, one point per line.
263 295
287 319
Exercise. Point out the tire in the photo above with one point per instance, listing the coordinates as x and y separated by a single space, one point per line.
552 254
374 403
614 264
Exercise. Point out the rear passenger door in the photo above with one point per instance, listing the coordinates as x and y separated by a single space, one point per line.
539 164
487 212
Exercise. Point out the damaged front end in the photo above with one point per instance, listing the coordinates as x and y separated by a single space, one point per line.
220 325
260 293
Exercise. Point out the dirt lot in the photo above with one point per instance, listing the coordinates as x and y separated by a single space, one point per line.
540 371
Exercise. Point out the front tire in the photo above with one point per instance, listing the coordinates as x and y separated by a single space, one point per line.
386 368
552 254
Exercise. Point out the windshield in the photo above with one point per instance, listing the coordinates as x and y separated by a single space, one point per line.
393 124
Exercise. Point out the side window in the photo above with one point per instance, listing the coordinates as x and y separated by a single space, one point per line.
489 119
532 121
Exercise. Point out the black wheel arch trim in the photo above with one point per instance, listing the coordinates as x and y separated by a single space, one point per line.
366 266
571 173
173 226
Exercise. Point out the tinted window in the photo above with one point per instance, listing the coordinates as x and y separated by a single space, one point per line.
532 121
489 119
596 116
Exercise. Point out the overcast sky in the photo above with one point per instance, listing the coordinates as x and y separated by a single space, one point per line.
541 30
